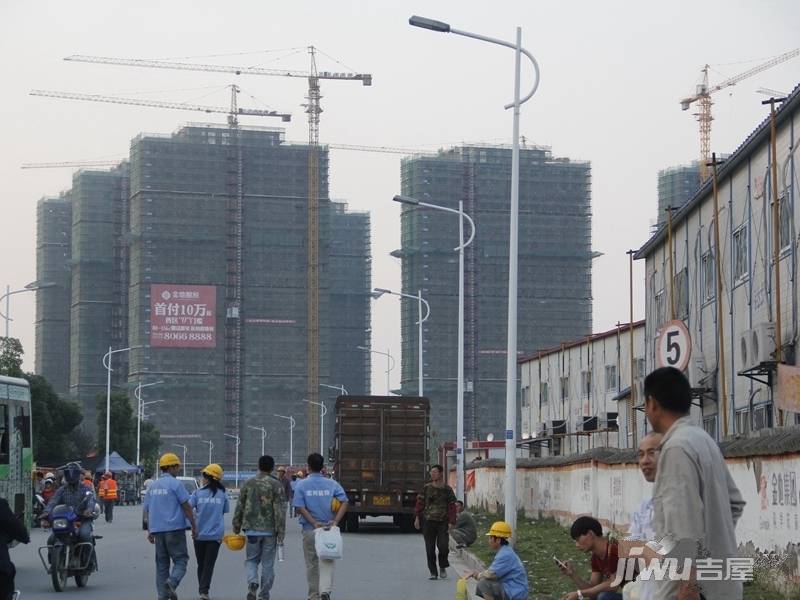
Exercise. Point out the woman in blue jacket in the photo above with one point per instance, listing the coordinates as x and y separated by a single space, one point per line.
210 504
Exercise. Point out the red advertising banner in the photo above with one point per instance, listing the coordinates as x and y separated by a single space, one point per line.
183 316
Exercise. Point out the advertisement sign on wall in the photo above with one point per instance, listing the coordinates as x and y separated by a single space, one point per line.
183 316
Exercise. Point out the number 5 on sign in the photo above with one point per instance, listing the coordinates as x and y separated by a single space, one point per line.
673 345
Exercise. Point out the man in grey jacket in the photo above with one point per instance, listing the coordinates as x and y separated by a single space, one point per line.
695 500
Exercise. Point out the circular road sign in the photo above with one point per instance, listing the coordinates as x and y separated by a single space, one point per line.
673 345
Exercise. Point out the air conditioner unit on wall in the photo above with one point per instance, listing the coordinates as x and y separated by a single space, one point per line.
756 345
556 427
696 370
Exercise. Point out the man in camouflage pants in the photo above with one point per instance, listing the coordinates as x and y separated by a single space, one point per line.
437 504
261 513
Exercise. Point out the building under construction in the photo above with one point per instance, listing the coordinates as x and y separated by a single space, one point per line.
197 256
676 185
555 256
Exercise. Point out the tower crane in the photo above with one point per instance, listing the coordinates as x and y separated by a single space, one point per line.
313 110
703 93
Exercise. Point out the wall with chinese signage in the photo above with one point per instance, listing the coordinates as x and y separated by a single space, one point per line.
769 527
183 316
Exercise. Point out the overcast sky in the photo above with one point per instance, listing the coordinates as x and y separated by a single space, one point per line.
612 75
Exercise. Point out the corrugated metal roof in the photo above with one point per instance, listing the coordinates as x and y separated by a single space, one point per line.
622 329
758 136
770 442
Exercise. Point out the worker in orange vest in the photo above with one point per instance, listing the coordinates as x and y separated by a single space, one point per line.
108 495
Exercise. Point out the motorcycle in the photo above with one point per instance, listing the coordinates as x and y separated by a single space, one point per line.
67 557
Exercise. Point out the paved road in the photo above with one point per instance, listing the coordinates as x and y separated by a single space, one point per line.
380 562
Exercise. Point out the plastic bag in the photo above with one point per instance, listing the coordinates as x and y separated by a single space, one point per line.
328 543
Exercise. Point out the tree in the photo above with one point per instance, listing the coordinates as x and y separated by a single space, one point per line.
54 421
11 357
151 440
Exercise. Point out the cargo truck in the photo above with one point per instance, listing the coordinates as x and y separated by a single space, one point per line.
380 455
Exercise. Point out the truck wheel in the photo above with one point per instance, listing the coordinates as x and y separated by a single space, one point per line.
352 522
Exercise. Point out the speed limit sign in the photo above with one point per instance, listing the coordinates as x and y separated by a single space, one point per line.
673 345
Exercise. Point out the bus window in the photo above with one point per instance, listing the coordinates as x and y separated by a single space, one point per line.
23 424
4 434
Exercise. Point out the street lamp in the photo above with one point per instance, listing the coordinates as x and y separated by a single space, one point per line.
336 387
140 413
107 365
263 436
31 287
324 411
291 438
460 384
210 448
389 365
238 441
378 292
513 253
184 456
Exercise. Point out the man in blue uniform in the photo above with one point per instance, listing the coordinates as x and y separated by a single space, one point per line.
169 516
314 499
506 578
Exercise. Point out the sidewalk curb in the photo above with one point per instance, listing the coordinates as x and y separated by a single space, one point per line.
466 562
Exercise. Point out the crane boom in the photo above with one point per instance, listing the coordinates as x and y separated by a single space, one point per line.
113 162
365 78
703 96
160 104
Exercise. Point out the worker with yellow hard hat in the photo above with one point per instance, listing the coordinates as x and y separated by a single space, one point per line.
210 503
506 578
169 515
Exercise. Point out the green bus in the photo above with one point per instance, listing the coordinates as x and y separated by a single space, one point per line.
16 455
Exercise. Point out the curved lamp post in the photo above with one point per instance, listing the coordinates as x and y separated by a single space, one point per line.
389 364
513 255
378 292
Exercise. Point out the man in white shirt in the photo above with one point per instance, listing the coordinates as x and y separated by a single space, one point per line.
695 500
641 527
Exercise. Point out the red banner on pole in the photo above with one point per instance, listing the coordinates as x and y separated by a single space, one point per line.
183 316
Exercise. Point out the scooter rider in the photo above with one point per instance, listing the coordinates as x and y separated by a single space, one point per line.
79 496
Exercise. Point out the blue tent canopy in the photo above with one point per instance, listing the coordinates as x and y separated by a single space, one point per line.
116 464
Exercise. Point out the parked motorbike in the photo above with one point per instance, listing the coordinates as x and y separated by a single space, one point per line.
68 557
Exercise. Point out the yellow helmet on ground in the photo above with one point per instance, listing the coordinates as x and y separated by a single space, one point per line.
213 470
500 529
234 541
169 460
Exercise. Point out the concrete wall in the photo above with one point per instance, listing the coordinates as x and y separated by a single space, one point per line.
610 492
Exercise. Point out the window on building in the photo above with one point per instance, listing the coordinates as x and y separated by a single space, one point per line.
526 397
611 377
586 383
564 388
710 426
555 449
680 294
708 283
785 224
640 366
4 435
743 421
762 417
739 254
544 393
661 307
